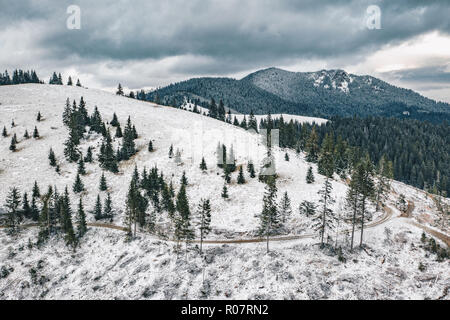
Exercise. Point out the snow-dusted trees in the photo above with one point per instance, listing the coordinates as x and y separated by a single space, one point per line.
241 178
311 146
103 185
183 227
310 176
203 219
119 90
269 220
78 185
128 146
107 156
284 208
136 206
13 213
81 220
203 166
384 173
52 158
307 208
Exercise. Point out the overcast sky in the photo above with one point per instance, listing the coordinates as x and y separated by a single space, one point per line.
145 44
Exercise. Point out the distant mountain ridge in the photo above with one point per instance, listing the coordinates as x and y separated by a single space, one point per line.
322 94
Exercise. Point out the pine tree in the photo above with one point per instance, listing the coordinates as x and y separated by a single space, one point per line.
12 146
269 217
171 152
204 220
107 207
35 133
150 146
244 123
383 174
70 237
128 146
119 90
402 204
78 186
114 122
81 220
203 166
4 132
26 135
252 124
251 169
167 202
185 231
52 158
81 166
366 189
310 176
88 157
118 131
286 156
69 81
352 200
44 229
103 185
13 217
285 209
98 212
311 147
71 151
184 180
39 116
325 164
12 123
325 219
67 114
36 192
241 178
307 208
107 158
78 83
225 191
26 209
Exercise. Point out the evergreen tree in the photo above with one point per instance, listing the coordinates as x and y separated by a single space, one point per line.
81 220
171 152
204 220
203 166
311 147
26 209
213 112
184 181
285 209
107 157
26 135
44 230
225 191
325 219
119 90
307 208
269 217
167 202
69 81
244 123
35 133
98 212
52 158
13 216
241 178
310 176
128 146
383 174
69 237
81 166
185 231
39 116
352 200
366 188
78 186
325 163
114 122
36 192
251 169
12 146
286 156
78 83
103 185
150 146
252 124
4 132
107 207
71 151
88 157
67 114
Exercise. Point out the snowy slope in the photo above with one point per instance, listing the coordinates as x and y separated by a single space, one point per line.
105 266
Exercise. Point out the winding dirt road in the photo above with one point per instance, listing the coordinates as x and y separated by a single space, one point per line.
387 215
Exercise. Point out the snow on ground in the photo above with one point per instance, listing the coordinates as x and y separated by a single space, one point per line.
107 267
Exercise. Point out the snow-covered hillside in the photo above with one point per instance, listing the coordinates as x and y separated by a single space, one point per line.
106 266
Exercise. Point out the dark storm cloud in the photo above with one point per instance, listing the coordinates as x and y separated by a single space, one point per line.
224 36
